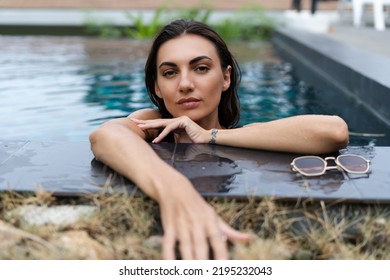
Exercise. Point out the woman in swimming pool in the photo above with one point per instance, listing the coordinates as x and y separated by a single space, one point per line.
192 78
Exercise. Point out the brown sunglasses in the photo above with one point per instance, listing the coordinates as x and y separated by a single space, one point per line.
316 166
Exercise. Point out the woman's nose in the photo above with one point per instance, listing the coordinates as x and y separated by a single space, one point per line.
186 83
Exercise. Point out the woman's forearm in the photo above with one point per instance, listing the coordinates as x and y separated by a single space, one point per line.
314 134
122 148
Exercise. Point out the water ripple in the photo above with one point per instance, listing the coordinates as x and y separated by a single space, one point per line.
61 88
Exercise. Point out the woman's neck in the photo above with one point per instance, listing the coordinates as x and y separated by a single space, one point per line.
210 123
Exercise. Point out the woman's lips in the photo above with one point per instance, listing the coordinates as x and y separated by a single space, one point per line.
188 103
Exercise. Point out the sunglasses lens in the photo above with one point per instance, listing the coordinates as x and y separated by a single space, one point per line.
310 165
353 163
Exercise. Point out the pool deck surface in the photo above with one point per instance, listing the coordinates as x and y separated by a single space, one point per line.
69 168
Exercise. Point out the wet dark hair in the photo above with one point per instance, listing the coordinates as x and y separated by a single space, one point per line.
229 106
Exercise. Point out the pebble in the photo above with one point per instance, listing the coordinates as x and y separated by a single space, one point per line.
62 215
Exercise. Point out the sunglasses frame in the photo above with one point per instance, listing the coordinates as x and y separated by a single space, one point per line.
338 165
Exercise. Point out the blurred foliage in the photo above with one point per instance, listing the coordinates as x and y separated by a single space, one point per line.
248 23
103 29
144 29
197 14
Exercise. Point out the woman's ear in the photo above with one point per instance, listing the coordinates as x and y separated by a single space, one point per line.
226 78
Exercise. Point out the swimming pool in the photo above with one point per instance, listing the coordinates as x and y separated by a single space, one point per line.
61 88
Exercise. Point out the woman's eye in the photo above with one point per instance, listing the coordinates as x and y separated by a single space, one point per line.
202 69
169 73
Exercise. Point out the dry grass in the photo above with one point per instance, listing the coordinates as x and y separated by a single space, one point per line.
128 227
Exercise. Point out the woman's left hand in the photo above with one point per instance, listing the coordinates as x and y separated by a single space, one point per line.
194 132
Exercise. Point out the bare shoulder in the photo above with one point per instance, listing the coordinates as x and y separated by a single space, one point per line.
145 114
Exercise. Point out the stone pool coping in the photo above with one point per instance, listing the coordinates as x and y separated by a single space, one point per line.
69 169
338 67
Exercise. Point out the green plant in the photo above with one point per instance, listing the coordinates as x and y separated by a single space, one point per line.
250 23
197 14
143 29
103 29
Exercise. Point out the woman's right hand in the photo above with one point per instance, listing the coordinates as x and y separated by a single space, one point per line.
192 223
180 125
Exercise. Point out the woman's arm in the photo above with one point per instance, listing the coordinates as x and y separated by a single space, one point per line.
121 145
186 216
306 134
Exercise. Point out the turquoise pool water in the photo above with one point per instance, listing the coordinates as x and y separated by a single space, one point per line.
61 88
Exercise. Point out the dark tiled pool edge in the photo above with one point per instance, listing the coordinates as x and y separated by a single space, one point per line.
69 169
338 67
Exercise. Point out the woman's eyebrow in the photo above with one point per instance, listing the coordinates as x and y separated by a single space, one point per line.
167 63
196 59
192 61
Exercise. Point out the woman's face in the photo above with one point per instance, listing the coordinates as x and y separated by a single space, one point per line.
190 79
